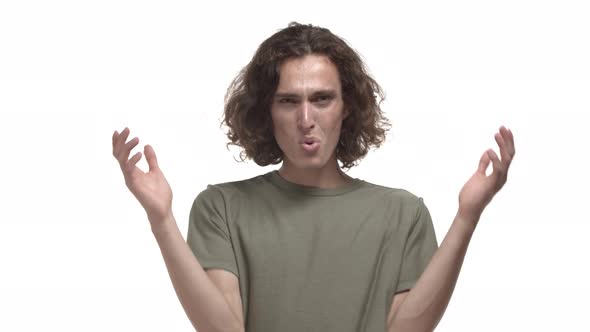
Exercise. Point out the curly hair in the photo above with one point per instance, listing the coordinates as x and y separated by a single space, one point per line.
249 96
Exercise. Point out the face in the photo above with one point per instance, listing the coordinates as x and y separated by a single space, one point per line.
308 106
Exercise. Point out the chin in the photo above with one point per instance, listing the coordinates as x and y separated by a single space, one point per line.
301 160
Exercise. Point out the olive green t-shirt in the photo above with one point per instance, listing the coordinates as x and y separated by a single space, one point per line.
313 259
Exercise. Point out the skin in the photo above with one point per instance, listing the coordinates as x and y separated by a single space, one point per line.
307 112
211 299
479 190
308 102
424 305
150 188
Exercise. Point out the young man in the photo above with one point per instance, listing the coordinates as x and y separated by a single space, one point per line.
307 247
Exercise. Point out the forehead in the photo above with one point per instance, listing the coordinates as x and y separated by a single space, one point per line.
307 74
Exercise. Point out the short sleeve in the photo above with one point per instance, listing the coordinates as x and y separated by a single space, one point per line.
421 244
208 236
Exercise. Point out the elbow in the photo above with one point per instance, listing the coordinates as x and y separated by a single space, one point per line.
416 324
238 327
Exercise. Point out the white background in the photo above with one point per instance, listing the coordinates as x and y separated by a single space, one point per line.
76 250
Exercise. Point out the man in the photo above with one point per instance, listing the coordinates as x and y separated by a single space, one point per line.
307 247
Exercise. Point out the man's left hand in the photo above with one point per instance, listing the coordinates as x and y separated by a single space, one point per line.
481 188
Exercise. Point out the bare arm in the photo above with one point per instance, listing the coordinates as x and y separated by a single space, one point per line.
203 302
207 306
424 305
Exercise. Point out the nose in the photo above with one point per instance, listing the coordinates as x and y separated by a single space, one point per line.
306 116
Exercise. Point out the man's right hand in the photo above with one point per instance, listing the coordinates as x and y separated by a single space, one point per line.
150 188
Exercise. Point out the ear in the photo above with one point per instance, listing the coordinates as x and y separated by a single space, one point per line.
347 112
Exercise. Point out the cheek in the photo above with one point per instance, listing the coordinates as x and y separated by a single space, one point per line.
276 124
281 133
333 127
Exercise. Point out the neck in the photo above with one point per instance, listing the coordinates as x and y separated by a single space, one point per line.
328 177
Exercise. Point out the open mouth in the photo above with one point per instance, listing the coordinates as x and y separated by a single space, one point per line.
310 146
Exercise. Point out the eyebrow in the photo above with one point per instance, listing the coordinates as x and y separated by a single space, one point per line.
323 92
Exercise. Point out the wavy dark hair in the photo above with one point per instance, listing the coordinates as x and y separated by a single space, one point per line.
249 96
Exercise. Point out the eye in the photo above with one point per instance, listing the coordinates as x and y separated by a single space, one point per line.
286 100
323 99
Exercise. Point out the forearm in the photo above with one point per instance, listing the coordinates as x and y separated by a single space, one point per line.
203 302
427 301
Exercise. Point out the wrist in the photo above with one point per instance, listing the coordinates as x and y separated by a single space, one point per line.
467 222
163 224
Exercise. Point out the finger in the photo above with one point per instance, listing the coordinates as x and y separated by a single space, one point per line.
127 149
511 141
150 156
508 139
136 157
123 137
120 140
499 170
115 135
484 161
504 149
494 158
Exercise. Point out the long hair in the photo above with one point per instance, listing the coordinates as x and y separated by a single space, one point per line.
249 96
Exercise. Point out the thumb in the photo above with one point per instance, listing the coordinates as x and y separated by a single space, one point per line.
150 156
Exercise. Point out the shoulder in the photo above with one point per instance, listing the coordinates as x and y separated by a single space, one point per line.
230 189
394 195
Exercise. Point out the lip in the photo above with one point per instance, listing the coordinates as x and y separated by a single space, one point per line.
310 139
311 148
